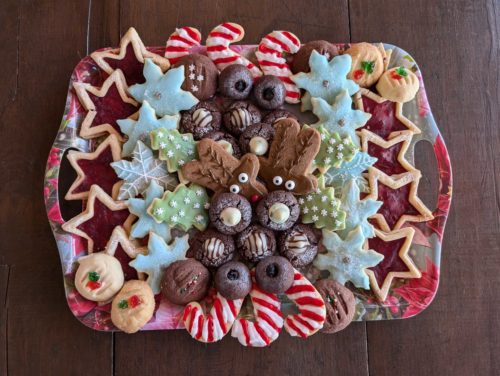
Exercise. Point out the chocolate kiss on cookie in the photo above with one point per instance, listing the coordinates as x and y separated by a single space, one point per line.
219 171
211 248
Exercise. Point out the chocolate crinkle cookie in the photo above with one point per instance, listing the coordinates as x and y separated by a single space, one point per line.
257 139
300 62
278 211
239 115
200 75
299 245
235 81
233 280
269 92
230 213
340 305
228 142
278 114
212 248
201 120
255 243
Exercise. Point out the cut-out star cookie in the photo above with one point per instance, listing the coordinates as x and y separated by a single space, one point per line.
139 172
163 91
337 177
333 150
139 130
322 208
129 57
397 263
185 207
146 222
160 256
96 223
340 117
358 211
175 148
104 106
326 80
346 260
94 168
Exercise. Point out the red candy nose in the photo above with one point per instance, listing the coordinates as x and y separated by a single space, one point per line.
254 198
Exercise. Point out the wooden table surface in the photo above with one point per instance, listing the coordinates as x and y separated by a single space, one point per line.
456 44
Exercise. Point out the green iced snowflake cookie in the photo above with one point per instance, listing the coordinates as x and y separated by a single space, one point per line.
175 148
185 207
322 208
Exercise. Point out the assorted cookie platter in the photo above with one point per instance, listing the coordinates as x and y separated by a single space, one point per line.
246 190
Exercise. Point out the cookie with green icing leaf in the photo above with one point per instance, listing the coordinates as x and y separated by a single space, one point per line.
174 147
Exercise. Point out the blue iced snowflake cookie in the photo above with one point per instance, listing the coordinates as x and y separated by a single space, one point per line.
337 177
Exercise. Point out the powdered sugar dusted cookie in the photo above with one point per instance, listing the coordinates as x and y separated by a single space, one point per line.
398 85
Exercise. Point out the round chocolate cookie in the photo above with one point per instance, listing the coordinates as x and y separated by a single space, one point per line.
235 81
240 115
233 280
257 139
276 115
230 213
300 62
299 245
185 281
274 274
200 75
200 120
255 242
227 141
269 92
340 305
278 211
212 248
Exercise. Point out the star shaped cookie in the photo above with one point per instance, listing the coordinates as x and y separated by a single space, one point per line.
146 223
339 117
326 80
357 211
140 129
397 263
94 168
129 58
160 256
98 102
163 91
346 260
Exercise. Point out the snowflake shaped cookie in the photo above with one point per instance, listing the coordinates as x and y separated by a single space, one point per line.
175 148
326 80
163 91
139 172
146 222
337 177
340 117
333 151
346 260
160 256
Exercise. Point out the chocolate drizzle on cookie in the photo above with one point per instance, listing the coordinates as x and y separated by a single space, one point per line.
214 248
202 117
240 118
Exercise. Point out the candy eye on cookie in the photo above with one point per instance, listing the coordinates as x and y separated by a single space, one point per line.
277 180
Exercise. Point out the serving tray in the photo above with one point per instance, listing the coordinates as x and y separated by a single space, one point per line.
406 297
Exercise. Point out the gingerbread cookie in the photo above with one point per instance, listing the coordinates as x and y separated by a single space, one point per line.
200 76
219 171
133 307
212 248
200 120
257 138
185 281
278 211
340 305
367 64
398 85
236 82
228 142
240 115
299 245
300 62
255 243
230 213
290 158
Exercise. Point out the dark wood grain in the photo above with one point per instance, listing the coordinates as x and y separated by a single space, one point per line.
456 44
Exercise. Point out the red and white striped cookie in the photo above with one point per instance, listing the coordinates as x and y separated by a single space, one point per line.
180 42
266 326
272 62
312 310
218 50
211 327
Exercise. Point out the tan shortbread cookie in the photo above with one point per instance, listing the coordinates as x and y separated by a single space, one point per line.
367 63
398 85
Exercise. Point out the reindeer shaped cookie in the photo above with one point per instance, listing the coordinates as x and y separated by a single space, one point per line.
290 157
219 171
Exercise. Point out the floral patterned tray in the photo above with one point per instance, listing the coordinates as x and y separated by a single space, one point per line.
406 297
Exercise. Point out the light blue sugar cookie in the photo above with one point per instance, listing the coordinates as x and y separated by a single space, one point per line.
160 256
163 91
146 222
340 117
337 177
346 260
326 80
140 129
